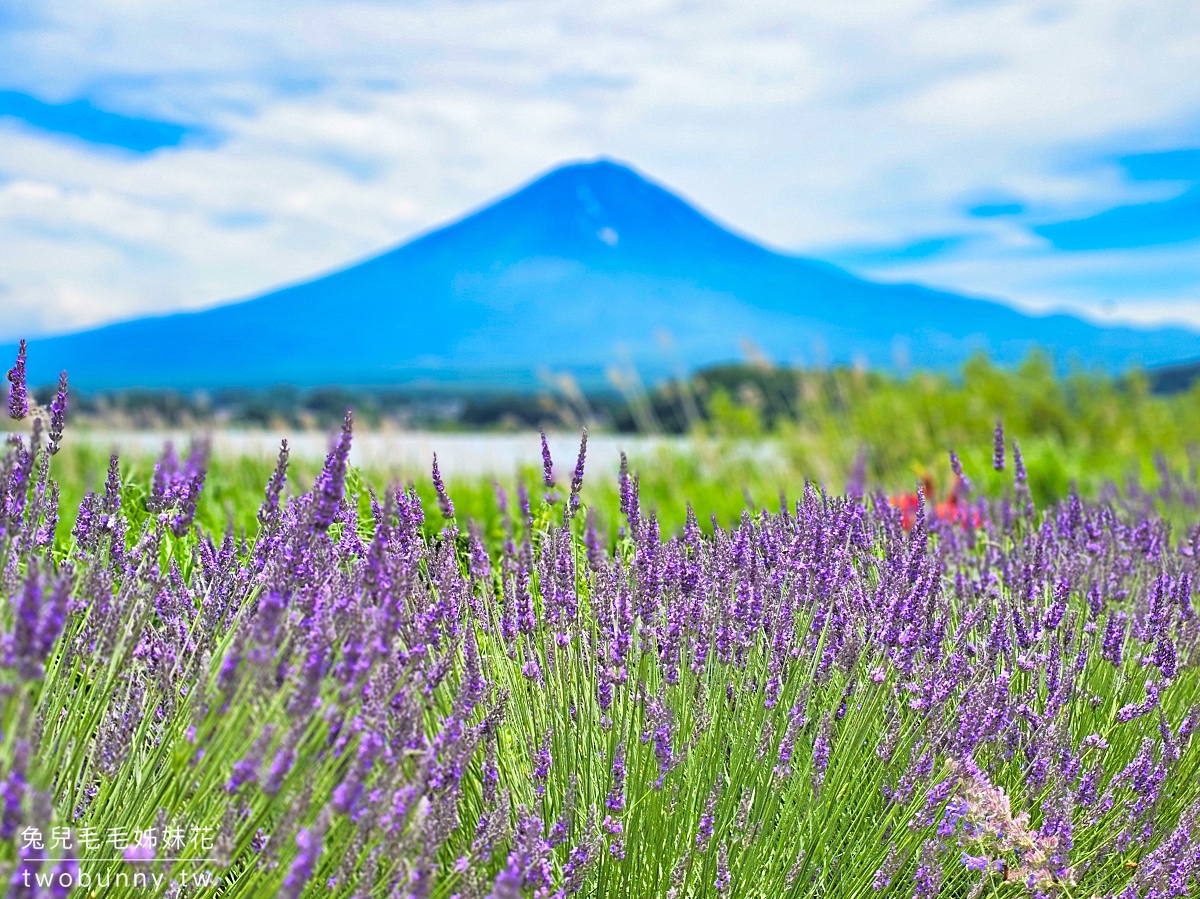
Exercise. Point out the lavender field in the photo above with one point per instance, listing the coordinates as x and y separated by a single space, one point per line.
368 695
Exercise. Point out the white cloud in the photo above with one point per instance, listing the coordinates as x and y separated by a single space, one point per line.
347 127
1153 284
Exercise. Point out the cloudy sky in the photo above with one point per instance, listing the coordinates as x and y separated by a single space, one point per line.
165 155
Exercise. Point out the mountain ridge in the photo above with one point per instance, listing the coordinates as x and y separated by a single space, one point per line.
577 269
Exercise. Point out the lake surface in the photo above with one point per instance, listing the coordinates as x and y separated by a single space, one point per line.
405 451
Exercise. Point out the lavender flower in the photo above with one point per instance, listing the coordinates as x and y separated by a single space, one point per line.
1164 656
929 872
577 477
308 844
13 789
976 862
58 414
724 881
1114 638
616 794
139 854
1135 710
347 794
38 621
18 396
708 819
821 749
178 487
796 722
579 862
998 447
245 769
884 874
268 512
331 483
541 764
444 502
1058 608
378 705
957 468
1019 473
547 462
858 475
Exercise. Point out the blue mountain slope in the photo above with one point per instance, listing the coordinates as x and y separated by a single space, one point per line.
579 269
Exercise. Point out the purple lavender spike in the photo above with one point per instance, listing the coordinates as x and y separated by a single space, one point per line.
575 871
525 857
1164 656
957 467
501 499
245 770
281 766
308 842
858 475
1058 608
1129 712
12 792
18 395
58 414
163 483
186 489
1019 473
523 503
331 482
886 871
269 510
592 542
704 830
1113 645
821 749
929 872
998 447
346 795
53 618
547 462
541 765
615 802
39 620
444 501
112 490
577 477
724 881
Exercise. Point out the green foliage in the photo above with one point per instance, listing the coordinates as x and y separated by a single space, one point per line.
763 433
1083 429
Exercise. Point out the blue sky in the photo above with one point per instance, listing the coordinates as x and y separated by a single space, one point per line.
158 156
91 125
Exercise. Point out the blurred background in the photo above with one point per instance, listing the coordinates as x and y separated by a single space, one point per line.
751 244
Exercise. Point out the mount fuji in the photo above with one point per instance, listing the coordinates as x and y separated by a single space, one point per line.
588 265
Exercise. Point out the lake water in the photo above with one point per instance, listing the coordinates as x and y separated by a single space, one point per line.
405 451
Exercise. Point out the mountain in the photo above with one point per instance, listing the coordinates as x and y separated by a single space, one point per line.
586 266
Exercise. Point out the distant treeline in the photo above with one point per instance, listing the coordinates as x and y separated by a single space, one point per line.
735 396
290 407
